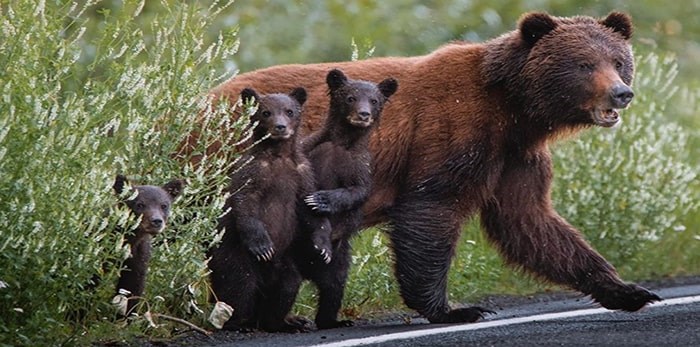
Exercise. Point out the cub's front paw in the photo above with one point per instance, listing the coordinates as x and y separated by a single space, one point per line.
319 202
325 253
263 251
322 244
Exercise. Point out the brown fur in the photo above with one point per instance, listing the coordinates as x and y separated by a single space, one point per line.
467 133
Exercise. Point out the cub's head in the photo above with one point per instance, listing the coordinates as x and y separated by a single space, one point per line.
278 114
359 102
151 203
578 70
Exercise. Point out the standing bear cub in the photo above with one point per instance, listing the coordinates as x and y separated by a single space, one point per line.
152 205
468 133
339 154
252 269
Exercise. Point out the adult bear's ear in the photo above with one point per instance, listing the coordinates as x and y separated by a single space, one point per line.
119 184
620 23
336 79
174 187
388 87
533 26
299 94
249 93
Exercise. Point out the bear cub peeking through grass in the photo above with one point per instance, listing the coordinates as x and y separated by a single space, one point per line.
252 269
340 157
152 205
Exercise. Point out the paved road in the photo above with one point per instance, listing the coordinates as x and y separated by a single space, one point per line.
569 322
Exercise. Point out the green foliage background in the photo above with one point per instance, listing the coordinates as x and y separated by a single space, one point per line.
98 88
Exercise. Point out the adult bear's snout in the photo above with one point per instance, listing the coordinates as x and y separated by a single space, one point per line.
621 95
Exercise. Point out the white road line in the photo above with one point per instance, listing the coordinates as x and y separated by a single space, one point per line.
490 324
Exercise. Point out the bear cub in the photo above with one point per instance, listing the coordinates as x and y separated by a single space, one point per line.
251 268
340 157
152 205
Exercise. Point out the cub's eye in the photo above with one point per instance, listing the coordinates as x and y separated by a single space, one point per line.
164 207
374 101
139 206
351 99
266 114
290 113
618 64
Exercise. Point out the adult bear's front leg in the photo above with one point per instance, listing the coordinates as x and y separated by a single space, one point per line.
520 220
423 238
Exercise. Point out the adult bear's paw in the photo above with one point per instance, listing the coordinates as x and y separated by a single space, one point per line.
462 315
627 297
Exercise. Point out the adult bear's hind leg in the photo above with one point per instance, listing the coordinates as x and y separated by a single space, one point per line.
424 241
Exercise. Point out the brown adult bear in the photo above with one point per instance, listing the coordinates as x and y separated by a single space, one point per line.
339 154
468 132
252 268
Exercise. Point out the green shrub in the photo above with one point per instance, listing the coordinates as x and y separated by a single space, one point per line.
77 111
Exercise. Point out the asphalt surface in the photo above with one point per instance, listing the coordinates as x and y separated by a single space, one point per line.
530 321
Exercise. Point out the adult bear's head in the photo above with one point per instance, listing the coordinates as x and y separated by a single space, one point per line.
573 71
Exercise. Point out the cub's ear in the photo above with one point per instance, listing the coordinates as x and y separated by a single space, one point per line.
533 26
119 184
174 187
620 23
388 87
299 94
249 93
336 79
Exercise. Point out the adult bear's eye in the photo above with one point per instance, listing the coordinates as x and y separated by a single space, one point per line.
290 113
266 114
374 101
586 67
351 99
618 64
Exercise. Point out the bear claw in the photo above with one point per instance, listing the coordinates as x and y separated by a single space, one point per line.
325 254
263 254
318 202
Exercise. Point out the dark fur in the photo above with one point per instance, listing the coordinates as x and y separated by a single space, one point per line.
339 155
152 205
252 269
468 133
